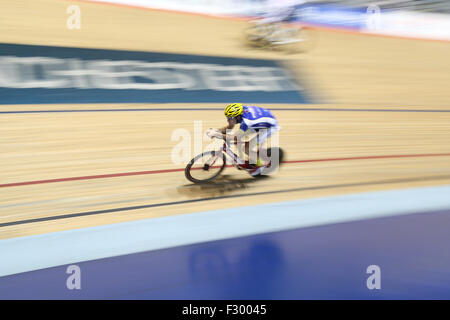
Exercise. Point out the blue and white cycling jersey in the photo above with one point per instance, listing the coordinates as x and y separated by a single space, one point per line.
257 118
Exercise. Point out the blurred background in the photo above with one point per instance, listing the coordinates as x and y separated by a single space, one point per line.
97 99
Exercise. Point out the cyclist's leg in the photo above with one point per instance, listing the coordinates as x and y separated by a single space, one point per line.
263 159
258 142
248 145
262 139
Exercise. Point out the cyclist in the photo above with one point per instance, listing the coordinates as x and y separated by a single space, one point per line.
251 119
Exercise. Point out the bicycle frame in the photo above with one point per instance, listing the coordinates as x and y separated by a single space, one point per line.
236 161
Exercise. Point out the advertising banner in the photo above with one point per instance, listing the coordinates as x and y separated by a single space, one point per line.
43 74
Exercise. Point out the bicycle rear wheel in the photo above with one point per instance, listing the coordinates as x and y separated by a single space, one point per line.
205 167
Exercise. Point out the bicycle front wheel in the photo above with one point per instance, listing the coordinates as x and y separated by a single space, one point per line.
205 167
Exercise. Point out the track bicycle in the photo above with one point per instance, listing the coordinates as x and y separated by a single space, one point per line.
208 165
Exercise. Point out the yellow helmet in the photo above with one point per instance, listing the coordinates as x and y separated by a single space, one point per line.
234 110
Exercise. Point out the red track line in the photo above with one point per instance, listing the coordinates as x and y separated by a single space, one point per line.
113 175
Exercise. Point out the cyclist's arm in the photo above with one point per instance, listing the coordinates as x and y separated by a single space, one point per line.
237 135
230 126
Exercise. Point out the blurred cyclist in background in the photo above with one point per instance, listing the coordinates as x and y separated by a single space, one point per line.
252 119
277 13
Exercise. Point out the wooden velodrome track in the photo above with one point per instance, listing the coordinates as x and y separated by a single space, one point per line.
329 152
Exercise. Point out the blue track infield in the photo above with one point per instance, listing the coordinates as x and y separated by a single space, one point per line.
326 262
